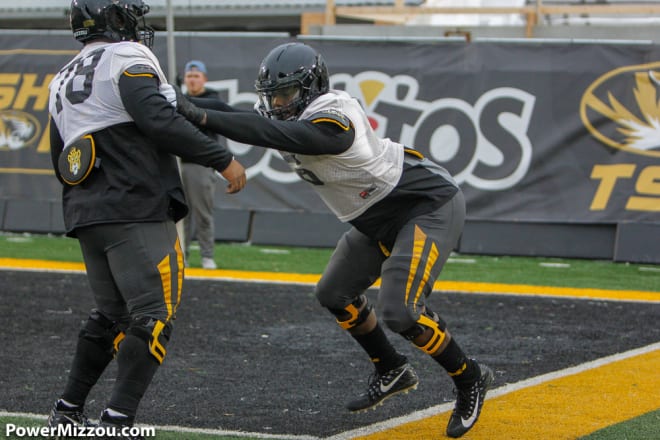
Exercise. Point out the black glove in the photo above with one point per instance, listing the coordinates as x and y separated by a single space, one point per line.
189 110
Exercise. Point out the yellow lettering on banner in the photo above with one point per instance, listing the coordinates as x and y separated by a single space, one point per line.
44 143
608 175
30 90
7 93
648 184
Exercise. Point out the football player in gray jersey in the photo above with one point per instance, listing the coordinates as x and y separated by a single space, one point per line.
114 134
406 212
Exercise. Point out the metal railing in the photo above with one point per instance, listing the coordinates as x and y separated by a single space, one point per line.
532 13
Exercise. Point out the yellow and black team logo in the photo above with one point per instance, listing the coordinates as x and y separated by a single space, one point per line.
629 97
622 110
73 159
17 129
77 160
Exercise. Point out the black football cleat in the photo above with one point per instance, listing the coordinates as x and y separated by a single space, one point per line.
399 380
63 415
116 427
468 404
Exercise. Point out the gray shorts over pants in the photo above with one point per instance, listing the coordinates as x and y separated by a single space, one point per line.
420 251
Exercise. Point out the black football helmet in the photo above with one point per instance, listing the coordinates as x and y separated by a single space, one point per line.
294 73
116 20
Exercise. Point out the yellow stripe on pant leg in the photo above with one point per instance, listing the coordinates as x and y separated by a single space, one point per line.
166 280
180 270
430 262
418 247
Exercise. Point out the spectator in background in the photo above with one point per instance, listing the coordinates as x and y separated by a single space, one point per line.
198 181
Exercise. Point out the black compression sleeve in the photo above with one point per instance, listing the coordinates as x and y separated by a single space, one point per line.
214 104
56 146
302 137
170 131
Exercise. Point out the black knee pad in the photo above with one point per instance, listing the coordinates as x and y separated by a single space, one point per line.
102 331
154 332
355 315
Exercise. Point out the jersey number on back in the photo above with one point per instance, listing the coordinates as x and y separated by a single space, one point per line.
80 73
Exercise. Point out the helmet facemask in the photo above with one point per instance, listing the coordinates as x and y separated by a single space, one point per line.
284 100
127 23
144 33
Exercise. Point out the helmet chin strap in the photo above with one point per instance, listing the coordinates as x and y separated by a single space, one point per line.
286 113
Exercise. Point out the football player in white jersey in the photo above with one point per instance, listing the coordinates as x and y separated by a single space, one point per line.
114 136
407 215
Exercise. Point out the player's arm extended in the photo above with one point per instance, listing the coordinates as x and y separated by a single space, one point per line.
303 137
214 104
309 137
159 120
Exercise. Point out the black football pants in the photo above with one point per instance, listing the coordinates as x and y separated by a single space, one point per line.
420 251
135 270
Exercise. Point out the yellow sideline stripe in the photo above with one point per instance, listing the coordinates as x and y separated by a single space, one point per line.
15 263
524 289
565 408
245 275
451 286
45 265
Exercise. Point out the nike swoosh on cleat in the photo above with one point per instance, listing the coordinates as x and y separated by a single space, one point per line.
470 420
386 388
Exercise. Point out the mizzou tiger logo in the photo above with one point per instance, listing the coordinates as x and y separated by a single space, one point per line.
74 161
630 97
17 129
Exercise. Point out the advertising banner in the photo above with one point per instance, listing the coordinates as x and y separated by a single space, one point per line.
532 131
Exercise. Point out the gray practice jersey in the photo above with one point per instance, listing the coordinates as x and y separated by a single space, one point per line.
110 100
351 182
94 105
375 184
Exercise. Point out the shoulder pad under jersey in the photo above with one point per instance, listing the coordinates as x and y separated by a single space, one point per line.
141 70
333 117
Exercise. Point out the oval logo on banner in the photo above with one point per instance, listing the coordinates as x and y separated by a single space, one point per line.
17 129
622 109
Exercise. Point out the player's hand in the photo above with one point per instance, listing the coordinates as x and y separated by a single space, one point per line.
235 176
189 110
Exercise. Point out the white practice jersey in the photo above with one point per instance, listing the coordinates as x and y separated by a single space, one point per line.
84 95
351 182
